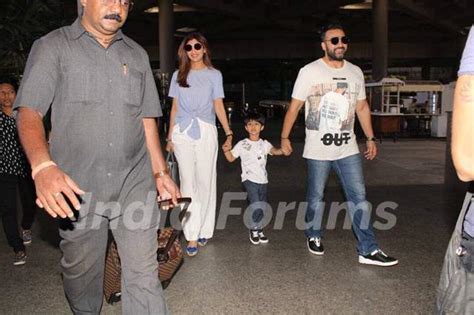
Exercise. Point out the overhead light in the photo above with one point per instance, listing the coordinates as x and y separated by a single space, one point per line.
365 5
176 8
186 29
152 10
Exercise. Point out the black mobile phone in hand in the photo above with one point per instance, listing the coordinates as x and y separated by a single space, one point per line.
75 212
66 223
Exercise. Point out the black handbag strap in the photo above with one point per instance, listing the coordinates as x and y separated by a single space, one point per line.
171 158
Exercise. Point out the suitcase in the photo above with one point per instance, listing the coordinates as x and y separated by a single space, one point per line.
169 256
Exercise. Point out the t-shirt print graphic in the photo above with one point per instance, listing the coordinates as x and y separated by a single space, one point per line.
331 108
334 112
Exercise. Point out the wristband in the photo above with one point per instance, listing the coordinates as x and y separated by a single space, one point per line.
41 167
284 138
162 173
371 139
230 133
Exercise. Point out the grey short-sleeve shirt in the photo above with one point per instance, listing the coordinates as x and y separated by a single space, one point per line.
98 98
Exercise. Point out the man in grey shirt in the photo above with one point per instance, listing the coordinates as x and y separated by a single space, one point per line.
104 145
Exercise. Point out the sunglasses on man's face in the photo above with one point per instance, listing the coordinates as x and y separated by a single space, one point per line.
189 47
335 40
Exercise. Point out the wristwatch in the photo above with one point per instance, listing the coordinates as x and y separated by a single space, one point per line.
371 139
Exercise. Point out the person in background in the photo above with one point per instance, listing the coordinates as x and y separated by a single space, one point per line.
12 169
26 185
27 191
197 92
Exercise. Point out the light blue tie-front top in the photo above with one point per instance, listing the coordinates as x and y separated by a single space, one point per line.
197 100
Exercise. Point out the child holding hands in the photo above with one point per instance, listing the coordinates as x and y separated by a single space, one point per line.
253 152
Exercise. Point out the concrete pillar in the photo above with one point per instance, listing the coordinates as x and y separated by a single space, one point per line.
167 58
379 39
166 36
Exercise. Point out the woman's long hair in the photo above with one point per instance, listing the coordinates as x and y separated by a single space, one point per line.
185 63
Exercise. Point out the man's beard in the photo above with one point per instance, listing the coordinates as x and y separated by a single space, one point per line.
332 55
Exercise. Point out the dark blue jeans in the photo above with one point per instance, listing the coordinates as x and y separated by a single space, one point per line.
349 171
257 197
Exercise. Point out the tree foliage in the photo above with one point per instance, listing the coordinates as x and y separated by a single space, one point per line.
21 23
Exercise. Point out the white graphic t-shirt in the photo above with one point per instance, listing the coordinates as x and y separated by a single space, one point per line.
253 158
330 96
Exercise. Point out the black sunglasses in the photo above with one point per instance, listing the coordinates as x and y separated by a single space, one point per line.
189 47
335 40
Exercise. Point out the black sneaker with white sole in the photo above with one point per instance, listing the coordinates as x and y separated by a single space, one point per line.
27 237
262 237
20 258
378 258
315 245
254 238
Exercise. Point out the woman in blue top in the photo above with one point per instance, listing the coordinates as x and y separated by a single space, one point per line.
197 92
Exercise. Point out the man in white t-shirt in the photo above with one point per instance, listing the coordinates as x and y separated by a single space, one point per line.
333 92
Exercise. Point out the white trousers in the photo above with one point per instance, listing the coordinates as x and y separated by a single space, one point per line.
197 161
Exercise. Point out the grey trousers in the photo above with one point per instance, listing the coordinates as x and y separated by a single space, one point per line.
83 261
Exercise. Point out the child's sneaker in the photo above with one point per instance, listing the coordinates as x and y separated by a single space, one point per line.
315 245
254 237
263 239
